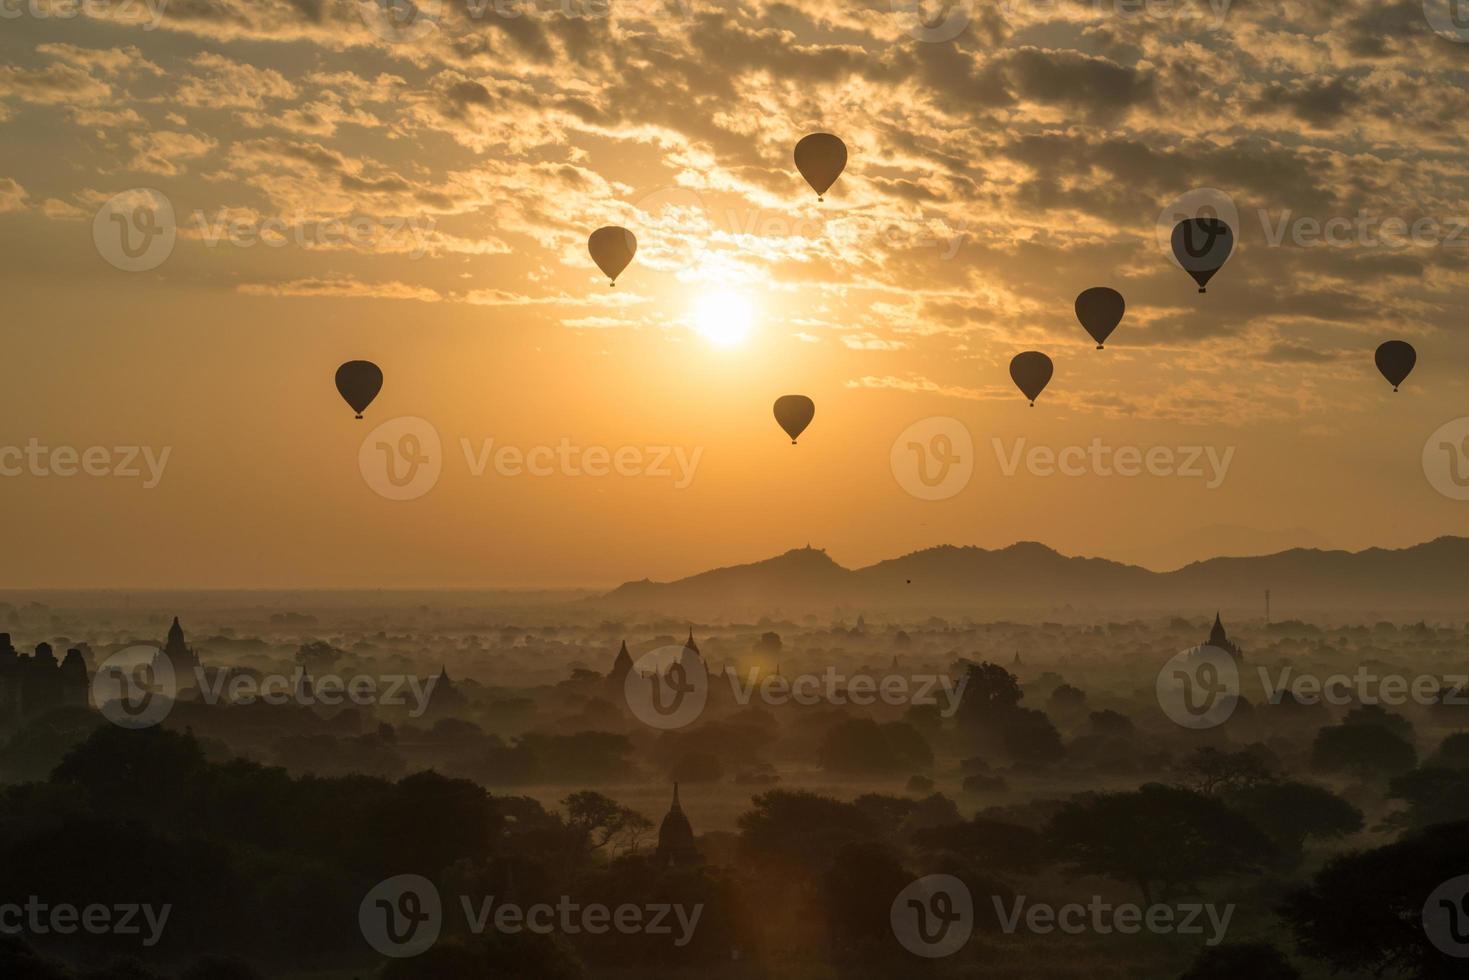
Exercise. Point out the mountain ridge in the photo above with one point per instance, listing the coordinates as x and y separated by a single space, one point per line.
1028 574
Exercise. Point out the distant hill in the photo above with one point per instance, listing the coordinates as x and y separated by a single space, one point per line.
1430 577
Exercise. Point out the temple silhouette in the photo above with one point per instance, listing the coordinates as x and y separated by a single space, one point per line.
37 682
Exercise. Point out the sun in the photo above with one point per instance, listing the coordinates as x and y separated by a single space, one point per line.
723 318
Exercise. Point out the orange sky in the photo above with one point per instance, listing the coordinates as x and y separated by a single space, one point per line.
992 177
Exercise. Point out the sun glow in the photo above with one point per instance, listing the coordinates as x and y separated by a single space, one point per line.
723 318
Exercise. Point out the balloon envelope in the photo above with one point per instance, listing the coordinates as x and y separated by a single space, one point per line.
1202 246
1100 309
821 158
1031 371
358 382
1395 359
612 249
794 413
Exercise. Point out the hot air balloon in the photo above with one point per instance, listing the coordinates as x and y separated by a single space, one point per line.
1395 359
359 382
1202 246
821 158
794 413
1100 310
612 249
1031 371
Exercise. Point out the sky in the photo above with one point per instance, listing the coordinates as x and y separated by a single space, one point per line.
302 184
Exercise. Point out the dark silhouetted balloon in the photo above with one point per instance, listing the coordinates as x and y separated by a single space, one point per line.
612 249
1202 246
1100 310
821 158
359 382
1395 359
1031 371
794 413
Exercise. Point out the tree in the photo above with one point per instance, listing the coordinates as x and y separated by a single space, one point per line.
595 821
860 745
1362 913
1376 714
1453 752
1433 796
994 845
1292 813
1209 770
318 656
1158 835
1363 751
801 830
1231 961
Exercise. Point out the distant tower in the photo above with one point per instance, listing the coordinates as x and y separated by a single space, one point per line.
1016 661
676 845
690 656
1218 638
621 667
178 653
